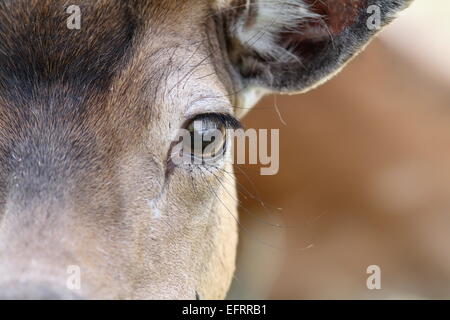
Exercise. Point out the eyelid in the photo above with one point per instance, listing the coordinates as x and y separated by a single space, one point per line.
229 121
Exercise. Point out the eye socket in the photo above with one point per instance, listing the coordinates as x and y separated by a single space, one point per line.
203 138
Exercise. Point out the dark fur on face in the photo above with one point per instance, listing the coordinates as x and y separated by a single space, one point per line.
38 49
52 80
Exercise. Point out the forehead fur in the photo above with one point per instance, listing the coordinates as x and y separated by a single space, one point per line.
36 46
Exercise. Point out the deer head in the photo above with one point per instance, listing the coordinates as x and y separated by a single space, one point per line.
89 117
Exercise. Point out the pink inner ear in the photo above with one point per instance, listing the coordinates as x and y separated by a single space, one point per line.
336 16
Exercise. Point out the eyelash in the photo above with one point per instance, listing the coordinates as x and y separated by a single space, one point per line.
229 121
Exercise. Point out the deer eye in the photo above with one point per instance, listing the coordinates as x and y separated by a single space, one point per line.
207 137
202 140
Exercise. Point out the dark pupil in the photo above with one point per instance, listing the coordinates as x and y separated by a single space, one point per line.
202 139
201 135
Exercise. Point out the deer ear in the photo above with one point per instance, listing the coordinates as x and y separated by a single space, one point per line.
293 45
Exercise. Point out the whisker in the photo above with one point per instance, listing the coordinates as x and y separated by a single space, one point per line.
240 205
240 226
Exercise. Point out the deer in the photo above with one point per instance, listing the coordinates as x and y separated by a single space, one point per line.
89 117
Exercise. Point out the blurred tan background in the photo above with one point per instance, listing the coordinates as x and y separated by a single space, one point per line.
364 176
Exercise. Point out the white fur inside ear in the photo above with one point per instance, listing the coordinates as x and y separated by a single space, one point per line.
273 16
247 98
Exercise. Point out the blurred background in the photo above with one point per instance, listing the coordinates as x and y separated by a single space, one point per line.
364 176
